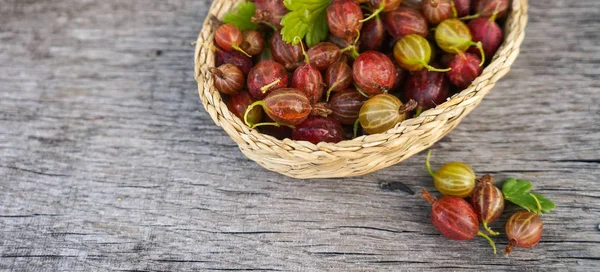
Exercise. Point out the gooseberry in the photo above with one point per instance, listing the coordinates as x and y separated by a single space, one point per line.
270 12
523 229
287 54
345 105
488 202
344 19
319 129
373 72
465 69
323 54
463 7
233 57
266 76
308 79
428 89
288 107
238 104
405 21
372 35
413 53
382 112
254 43
453 178
229 37
453 36
436 11
455 218
488 32
228 79
338 77
489 7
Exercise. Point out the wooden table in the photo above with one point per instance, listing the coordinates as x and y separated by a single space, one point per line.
109 162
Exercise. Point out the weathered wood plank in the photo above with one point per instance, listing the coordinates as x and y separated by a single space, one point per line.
109 162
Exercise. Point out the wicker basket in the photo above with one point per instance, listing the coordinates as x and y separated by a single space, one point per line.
364 154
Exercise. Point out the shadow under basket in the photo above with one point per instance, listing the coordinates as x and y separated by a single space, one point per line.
364 154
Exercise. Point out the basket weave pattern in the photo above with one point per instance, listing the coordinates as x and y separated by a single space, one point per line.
364 154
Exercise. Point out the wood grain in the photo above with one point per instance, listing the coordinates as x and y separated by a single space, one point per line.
109 162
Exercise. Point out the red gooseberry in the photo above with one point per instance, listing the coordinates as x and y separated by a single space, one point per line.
254 43
266 76
455 218
488 202
317 129
345 105
229 37
238 104
228 79
323 54
405 21
523 229
373 72
344 19
436 11
290 56
465 69
427 88
488 32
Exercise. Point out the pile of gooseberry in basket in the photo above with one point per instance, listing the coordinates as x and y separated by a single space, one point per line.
329 70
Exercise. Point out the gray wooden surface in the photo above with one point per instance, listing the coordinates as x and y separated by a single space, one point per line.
109 162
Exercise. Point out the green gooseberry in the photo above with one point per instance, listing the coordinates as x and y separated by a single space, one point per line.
453 178
413 53
453 36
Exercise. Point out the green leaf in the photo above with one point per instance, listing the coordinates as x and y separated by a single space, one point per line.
242 17
307 19
519 192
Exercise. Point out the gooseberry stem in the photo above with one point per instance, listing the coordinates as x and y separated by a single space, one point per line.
454 11
249 108
493 17
266 124
271 25
321 109
418 111
354 52
489 230
469 17
433 69
265 88
329 91
408 106
537 202
489 240
361 91
375 13
217 72
479 46
427 196
429 165
508 249
241 50
355 128
302 47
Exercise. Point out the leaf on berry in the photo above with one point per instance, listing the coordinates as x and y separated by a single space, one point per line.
519 192
242 16
307 19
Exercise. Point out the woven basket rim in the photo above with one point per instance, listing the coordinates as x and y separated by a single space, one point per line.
488 77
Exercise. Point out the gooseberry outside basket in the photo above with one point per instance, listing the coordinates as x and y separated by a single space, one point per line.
365 154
